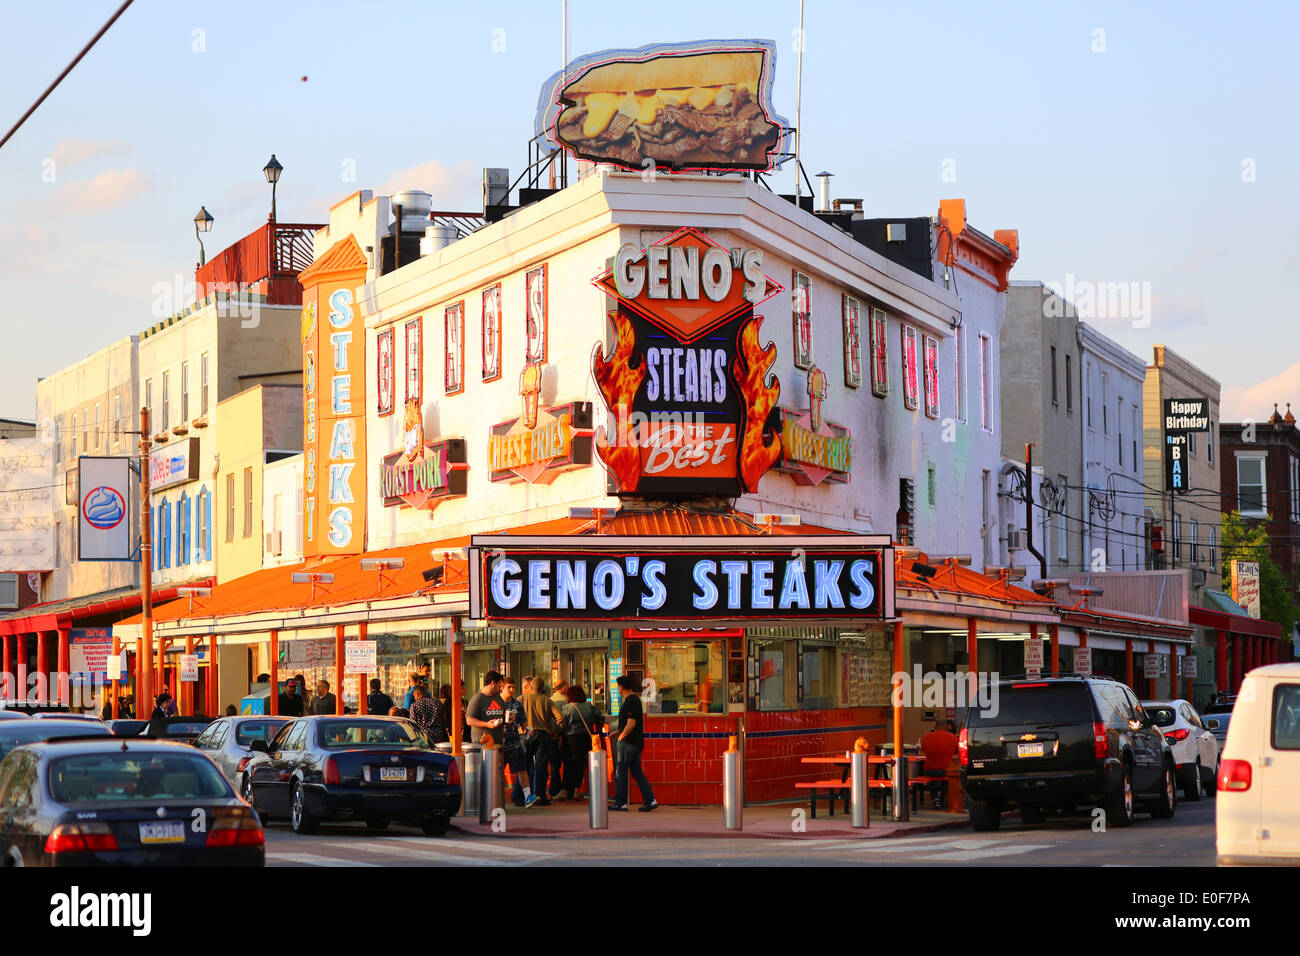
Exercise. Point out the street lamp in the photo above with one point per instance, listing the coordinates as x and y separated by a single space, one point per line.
272 172
202 223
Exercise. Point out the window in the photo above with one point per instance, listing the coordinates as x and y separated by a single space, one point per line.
986 382
384 371
85 432
183 530
490 333
1295 489
930 485
771 675
1194 528
986 529
8 590
1119 424
852 342
185 391
879 353
905 518
535 315
1055 400
1178 537
1133 418
930 356
117 420
1087 376
230 507
1209 442
203 520
1284 728
203 384
1214 540
248 502
1250 485
165 421
1191 443
1105 404
911 388
801 304
687 675
960 379
819 678
1069 384
96 445
454 348
1062 552
148 400
413 355
73 432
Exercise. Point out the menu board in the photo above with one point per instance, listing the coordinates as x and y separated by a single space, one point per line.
866 672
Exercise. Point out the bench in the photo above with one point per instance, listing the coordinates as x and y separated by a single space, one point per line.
917 784
885 787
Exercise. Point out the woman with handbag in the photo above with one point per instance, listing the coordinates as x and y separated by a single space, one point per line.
580 720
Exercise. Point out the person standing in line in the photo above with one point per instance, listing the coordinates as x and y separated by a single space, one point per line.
580 722
559 700
413 682
541 736
486 711
290 702
304 693
427 717
378 702
516 725
324 702
169 707
630 742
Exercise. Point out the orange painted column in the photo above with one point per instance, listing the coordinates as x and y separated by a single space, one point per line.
972 645
214 685
363 705
273 705
899 669
43 666
115 686
339 664
139 680
1056 650
20 669
64 651
6 667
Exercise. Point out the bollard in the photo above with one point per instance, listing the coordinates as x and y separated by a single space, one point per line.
597 786
733 786
860 796
491 793
471 764
901 798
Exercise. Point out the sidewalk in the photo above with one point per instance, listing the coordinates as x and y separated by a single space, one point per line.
565 819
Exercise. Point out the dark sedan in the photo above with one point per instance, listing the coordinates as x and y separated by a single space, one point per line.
184 729
376 769
126 726
16 733
92 802
12 714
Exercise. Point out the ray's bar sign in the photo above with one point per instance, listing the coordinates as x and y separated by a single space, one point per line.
709 580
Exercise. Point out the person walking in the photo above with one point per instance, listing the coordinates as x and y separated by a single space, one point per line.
629 743
486 711
580 722
324 702
542 735
427 717
158 719
378 702
512 749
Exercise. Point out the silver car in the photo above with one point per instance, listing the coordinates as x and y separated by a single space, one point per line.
228 741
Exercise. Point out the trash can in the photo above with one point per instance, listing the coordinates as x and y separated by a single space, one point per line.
471 762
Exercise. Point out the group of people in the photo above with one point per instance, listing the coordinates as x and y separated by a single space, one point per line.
296 701
545 738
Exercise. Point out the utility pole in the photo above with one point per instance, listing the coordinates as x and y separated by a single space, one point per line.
145 691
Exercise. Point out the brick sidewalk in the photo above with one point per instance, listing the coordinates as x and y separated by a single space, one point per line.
565 819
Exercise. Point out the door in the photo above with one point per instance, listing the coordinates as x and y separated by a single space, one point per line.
18 809
1147 750
270 778
1279 776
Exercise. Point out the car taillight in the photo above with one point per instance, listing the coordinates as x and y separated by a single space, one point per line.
88 838
1233 775
453 773
1100 741
243 762
332 771
236 830
1182 733
963 747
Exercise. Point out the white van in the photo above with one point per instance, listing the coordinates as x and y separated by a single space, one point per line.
1256 820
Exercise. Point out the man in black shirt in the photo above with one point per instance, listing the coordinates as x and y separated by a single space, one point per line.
630 741
378 702
290 702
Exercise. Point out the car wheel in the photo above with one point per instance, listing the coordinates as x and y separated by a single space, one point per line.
985 815
1032 813
377 823
1212 786
14 857
1119 809
1192 792
1168 797
436 826
299 816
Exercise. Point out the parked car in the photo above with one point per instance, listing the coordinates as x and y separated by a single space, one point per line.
1062 742
1196 751
17 733
93 802
184 729
1259 776
65 715
1217 724
228 742
376 769
12 715
126 727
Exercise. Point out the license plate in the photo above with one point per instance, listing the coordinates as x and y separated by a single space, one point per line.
162 833
1029 750
392 773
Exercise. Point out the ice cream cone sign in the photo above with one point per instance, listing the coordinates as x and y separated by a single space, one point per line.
816 395
530 388
413 430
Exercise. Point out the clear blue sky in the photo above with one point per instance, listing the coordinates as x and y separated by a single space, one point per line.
1122 165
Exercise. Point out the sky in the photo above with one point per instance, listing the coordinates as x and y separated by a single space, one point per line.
1148 149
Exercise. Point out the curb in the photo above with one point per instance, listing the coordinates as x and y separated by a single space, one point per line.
904 830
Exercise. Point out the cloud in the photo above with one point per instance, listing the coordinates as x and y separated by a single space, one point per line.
1199 259
1256 401
453 187
70 153
111 189
24 248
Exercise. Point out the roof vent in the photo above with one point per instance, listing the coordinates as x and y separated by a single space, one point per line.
416 206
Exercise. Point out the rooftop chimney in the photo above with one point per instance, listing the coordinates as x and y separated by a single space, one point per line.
825 184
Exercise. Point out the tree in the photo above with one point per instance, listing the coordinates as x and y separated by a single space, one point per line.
1249 541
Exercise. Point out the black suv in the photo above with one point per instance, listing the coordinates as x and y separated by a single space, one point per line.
1060 743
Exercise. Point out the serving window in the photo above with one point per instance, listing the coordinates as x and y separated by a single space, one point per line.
681 677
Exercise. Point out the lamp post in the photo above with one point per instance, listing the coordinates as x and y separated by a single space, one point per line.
202 223
272 172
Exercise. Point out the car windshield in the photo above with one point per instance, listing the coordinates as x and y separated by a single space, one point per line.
364 733
1036 704
1163 716
15 733
131 775
183 730
251 730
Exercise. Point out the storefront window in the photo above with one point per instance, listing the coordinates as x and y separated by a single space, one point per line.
819 681
686 676
771 676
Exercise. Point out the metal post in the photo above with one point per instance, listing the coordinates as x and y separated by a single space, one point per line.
339 666
471 765
273 702
491 783
900 762
456 718
597 786
733 787
860 797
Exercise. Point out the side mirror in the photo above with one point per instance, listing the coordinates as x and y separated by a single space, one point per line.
259 745
1211 724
